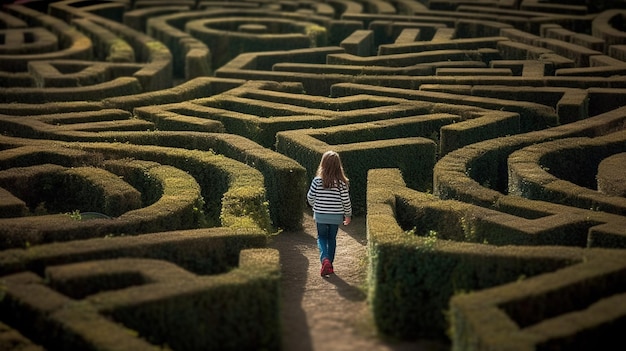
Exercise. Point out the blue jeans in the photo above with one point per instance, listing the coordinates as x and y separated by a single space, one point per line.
327 240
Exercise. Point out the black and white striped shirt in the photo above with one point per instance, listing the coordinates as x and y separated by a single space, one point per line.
335 200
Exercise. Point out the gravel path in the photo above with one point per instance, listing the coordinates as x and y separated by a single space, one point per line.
330 314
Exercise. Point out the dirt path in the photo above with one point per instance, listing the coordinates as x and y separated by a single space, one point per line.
330 314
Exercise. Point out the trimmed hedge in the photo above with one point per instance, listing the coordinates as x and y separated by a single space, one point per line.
72 44
280 172
565 172
571 308
233 194
478 174
283 177
413 273
159 277
10 205
364 146
61 189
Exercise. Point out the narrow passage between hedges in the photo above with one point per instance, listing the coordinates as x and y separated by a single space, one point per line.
330 314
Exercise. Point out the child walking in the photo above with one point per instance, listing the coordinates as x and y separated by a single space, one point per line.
330 198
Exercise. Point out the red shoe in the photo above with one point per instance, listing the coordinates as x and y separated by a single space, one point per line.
327 268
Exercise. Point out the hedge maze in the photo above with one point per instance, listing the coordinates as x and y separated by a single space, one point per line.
149 150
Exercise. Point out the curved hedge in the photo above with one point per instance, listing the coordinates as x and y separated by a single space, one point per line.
194 188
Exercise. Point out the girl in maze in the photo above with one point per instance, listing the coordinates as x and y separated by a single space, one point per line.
329 197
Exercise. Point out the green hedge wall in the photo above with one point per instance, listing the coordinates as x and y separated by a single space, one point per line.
200 289
198 189
413 273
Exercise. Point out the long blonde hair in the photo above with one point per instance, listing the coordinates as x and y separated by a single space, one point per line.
331 170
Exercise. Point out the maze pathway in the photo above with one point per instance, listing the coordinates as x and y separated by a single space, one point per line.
154 159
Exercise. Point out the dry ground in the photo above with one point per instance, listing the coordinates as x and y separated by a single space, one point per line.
330 314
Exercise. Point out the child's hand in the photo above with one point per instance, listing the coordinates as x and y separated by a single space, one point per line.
346 220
